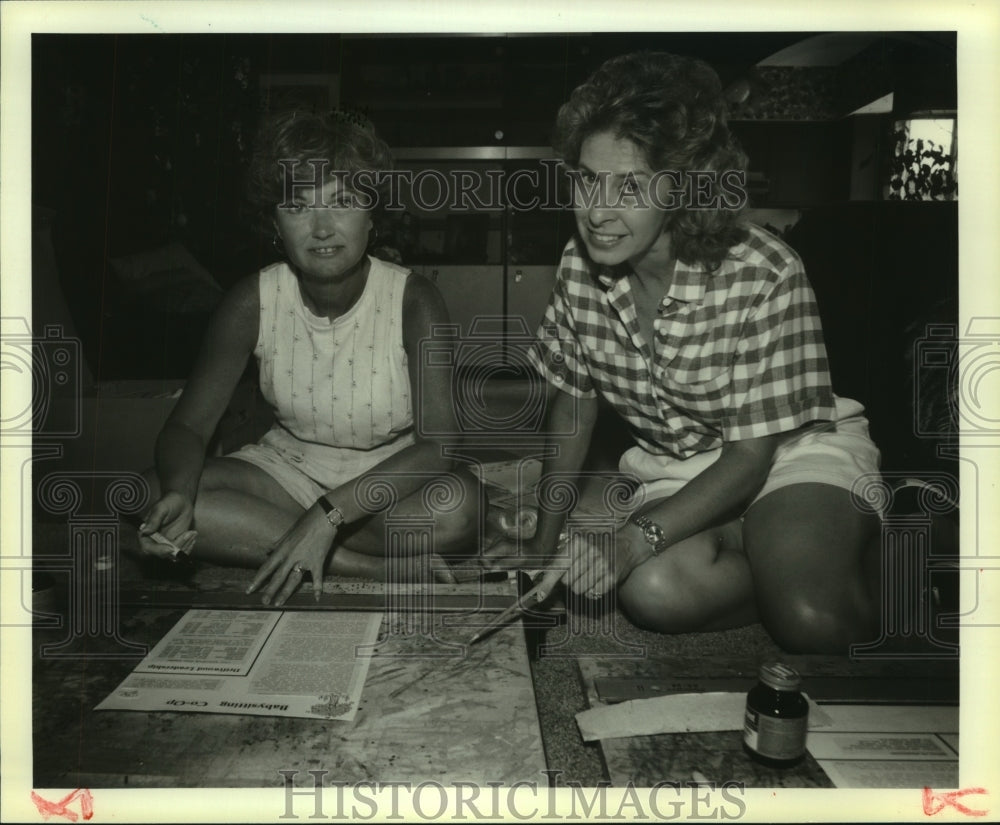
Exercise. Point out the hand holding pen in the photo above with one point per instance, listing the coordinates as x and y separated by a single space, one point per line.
585 565
559 568
534 596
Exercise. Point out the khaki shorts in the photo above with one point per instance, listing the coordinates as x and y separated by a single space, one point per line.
306 470
837 454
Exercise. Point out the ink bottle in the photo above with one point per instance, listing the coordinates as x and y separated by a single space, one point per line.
777 717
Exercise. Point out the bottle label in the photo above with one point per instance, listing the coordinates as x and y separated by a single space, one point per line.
775 738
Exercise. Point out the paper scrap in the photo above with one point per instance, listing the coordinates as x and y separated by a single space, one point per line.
673 713
514 476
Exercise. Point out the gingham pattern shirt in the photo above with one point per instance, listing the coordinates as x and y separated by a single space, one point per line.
738 354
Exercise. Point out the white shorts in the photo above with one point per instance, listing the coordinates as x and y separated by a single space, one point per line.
306 470
837 455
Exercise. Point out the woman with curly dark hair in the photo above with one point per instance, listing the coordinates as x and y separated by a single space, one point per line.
702 332
336 334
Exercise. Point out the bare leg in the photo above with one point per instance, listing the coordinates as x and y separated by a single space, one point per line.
814 557
701 583
455 521
805 563
241 512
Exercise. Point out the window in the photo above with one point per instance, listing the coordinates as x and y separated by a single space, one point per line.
924 162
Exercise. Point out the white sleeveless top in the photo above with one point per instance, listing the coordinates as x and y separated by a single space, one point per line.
341 383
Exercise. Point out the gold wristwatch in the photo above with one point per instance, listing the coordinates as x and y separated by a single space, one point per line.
652 532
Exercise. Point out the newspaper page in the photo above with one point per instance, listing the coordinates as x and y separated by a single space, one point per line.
263 663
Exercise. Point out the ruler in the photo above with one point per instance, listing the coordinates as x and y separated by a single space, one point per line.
234 599
402 600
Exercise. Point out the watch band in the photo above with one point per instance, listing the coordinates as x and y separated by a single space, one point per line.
652 532
333 514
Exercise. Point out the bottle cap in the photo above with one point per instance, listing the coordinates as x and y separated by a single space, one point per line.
779 676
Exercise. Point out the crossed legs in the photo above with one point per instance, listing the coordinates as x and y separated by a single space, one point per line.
241 512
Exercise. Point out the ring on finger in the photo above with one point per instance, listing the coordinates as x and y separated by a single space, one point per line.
298 569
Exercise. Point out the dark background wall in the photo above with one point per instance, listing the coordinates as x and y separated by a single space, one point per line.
140 142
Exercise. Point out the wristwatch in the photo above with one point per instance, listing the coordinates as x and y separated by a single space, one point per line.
652 532
333 514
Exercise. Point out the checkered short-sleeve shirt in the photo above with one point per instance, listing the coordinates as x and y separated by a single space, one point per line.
738 354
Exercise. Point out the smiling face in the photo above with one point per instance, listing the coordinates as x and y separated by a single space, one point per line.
615 213
325 233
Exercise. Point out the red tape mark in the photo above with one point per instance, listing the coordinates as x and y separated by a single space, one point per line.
61 808
935 802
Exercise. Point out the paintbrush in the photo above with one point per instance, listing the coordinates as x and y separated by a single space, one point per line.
508 614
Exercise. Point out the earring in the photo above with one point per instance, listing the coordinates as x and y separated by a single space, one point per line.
278 244
374 236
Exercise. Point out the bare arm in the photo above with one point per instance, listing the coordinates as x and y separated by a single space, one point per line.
565 414
711 497
180 446
723 488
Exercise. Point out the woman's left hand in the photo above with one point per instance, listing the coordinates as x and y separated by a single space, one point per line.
303 549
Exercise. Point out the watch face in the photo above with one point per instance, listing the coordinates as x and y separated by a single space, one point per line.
651 532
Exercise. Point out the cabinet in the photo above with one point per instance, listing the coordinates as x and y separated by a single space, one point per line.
486 226
796 164
470 292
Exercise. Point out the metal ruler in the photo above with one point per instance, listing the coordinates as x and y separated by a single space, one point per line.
234 599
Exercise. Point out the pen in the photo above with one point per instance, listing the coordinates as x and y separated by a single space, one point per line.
507 614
